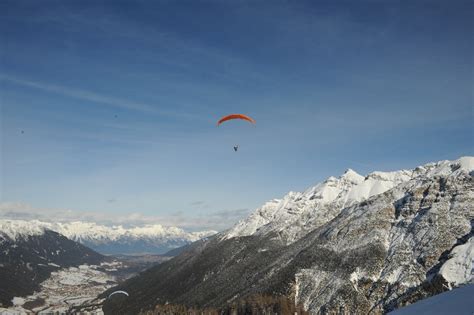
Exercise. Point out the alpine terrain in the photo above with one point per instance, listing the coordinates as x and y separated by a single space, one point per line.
351 244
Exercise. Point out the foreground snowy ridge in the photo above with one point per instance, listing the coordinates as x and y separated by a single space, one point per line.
458 301
297 213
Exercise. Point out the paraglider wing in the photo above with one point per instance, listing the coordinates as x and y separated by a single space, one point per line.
118 292
236 116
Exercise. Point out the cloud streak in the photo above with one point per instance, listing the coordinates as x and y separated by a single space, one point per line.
94 97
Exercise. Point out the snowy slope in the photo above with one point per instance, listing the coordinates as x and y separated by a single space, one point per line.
459 268
107 239
459 301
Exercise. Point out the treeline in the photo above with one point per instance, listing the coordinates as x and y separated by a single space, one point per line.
253 305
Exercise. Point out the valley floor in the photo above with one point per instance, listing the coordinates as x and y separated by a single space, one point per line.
67 288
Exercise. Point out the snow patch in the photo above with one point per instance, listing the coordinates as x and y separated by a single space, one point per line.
18 301
458 269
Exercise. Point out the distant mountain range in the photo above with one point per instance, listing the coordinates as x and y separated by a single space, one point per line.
148 239
351 244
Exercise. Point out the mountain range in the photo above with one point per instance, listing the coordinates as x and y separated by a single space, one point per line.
351 244
148 239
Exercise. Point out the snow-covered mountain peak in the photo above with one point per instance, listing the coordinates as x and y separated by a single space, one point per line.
352 176
448 168
295 214
18 229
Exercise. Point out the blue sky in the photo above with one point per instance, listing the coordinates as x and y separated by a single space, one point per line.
109 107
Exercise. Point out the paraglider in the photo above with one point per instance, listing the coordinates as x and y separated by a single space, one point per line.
115 300
236 116
117 292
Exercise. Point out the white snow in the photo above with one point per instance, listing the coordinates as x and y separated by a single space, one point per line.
459 301
353 176
360 274
18 301
467 163
17 311
15 229
394 276
463 164
458 269
54 265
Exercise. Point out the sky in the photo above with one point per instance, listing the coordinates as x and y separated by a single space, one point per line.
109 108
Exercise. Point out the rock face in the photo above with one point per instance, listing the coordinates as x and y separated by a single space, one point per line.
29 254
351 244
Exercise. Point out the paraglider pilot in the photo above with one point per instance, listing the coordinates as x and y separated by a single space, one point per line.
236 116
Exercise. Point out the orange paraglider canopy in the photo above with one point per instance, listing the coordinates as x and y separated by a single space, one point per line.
236 116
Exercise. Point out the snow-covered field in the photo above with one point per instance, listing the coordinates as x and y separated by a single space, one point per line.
67 288
459 301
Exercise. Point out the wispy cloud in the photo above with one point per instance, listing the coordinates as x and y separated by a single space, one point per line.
94 97
81 94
